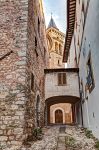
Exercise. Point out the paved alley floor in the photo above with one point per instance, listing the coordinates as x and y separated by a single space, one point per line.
61 138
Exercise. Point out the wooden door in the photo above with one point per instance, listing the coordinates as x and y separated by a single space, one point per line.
58 116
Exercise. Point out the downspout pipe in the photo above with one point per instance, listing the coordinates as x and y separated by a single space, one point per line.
80 100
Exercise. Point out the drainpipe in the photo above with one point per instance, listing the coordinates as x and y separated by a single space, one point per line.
80 100
46 114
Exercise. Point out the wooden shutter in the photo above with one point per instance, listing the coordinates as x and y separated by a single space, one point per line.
64 78
59 79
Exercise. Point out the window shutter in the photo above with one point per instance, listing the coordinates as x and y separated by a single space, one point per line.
64 78
59 79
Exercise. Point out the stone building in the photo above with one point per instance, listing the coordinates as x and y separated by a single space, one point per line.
59 112
61 95
83 53
55 40
23 58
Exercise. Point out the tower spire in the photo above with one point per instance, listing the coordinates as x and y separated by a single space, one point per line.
52 22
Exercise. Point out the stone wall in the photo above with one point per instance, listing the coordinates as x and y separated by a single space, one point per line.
37 62
18 29
13 49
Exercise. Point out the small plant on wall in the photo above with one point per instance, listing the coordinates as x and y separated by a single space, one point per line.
35 135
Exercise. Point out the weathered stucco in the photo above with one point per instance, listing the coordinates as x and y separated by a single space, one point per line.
53 89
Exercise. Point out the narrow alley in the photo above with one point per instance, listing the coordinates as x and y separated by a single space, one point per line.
49 74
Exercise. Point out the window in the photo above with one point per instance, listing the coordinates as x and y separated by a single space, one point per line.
90 78
38 26
60 49
82 91
36 47
35 42
58 62
56 47
32 81
61 78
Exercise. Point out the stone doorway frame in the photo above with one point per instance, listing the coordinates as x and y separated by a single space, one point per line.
58 108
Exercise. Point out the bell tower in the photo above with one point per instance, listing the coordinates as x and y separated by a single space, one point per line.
55 39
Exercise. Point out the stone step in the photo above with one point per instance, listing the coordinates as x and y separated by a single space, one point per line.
61 143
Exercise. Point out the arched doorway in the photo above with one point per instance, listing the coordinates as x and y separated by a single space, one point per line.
38 111
72 100
58 116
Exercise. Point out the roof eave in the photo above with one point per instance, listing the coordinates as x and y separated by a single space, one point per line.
71 9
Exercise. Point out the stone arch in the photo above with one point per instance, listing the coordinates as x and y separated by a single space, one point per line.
59 108
37 109
73 100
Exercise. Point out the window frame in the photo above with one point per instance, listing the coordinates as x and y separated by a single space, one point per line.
90 74
61 81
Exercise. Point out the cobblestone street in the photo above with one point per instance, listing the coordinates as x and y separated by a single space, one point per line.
59 138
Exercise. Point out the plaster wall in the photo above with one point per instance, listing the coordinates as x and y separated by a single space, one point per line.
53 89
91 33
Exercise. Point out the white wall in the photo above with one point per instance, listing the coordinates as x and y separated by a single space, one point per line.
52 88
92 37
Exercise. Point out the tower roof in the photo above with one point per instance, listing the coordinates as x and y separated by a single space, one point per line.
52 23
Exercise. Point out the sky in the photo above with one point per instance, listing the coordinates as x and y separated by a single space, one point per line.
58 10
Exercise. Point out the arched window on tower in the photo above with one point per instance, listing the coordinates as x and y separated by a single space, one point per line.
60 49
58 62
56 47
